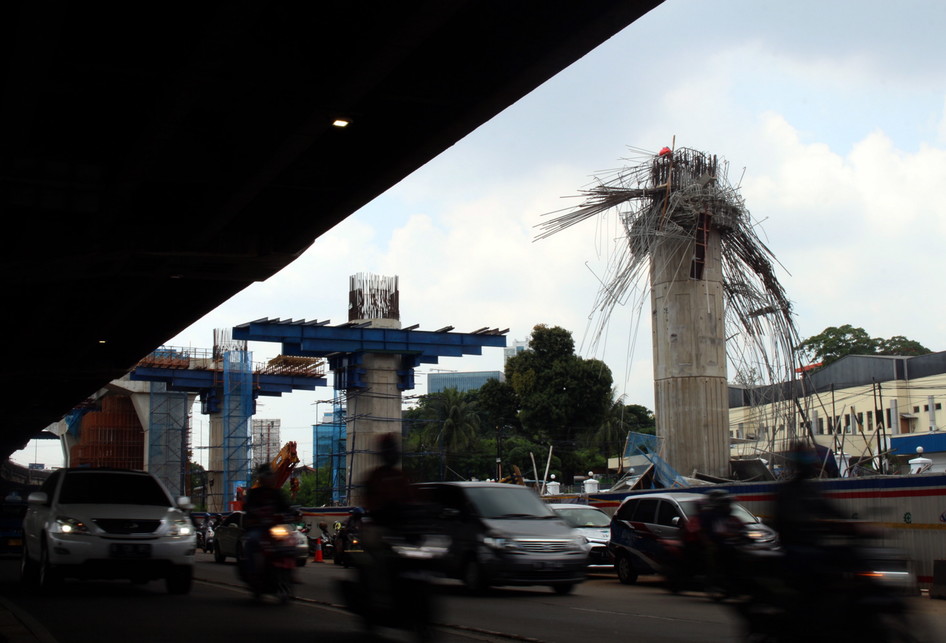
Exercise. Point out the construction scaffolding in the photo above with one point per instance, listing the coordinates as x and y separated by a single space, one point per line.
168 436
265 444
237 409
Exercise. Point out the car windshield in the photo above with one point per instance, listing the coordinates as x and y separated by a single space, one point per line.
743 514
508 502
583 516
112 488
692 508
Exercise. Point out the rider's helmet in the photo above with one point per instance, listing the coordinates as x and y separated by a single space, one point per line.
719 499
390 451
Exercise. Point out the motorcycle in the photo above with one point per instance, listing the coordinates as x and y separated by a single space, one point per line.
346 545
269 558
392 587
205 539
835 594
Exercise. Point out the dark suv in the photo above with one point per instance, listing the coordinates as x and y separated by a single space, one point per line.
645 523
504 534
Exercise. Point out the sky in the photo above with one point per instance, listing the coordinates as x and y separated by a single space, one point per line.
831 116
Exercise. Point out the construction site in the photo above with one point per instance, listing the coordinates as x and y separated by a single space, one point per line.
731 394
144 420
690 250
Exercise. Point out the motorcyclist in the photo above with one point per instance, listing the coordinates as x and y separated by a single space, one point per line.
723 535
388 490
388 495
265 504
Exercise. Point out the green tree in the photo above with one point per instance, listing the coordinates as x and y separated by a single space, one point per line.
446 423
498 407
621 418
198 487
562 396
900 345
836 342
314 487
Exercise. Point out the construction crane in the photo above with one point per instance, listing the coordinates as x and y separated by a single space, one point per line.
283 464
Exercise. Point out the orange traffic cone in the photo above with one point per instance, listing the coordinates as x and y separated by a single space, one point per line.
318 551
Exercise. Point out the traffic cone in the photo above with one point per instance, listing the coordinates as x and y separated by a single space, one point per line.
318 551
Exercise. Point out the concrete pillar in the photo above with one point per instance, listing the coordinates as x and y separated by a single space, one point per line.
372 411
688 329
215 501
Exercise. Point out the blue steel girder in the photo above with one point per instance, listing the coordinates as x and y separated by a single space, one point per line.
197 380
344 345
307 339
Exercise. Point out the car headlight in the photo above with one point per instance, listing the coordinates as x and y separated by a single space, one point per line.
582 542
180 528
494 542
67 525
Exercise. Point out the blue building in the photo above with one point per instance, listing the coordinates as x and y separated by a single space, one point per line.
329 447
439 382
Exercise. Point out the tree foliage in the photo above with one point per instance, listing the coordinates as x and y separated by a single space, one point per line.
836 342
550 398
314 487
561 396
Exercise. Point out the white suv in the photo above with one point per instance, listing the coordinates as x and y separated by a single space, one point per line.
107 523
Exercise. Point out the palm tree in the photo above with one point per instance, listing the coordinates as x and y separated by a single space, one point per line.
455 423
612 433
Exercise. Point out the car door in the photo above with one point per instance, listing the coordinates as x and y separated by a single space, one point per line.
229 533
34 522
453 520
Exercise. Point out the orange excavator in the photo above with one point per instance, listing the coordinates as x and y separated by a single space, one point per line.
283 464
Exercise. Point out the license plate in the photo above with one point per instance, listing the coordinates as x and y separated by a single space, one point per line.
129 550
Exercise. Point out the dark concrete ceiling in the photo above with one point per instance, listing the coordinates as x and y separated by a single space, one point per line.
157 158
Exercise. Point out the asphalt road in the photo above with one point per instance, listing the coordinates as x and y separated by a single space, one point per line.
220 609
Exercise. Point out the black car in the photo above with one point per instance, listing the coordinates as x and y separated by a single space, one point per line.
646 528
504 534
228 540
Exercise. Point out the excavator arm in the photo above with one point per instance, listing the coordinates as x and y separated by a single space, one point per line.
283 464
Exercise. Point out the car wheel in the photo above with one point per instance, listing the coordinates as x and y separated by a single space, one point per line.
49 576
625 569
27 568
218 555
563 589
300 562
179 579
474 577
284 591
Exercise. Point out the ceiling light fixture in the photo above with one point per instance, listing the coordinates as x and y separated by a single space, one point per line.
341 122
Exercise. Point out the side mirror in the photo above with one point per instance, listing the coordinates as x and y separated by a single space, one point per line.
184 502
675 521
37 498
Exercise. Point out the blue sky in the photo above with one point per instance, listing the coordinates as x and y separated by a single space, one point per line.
832 114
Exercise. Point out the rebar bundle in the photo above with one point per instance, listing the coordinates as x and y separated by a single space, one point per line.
672 198
373 297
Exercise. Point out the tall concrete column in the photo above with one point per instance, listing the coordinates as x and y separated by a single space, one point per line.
215 465
372 411
690 389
